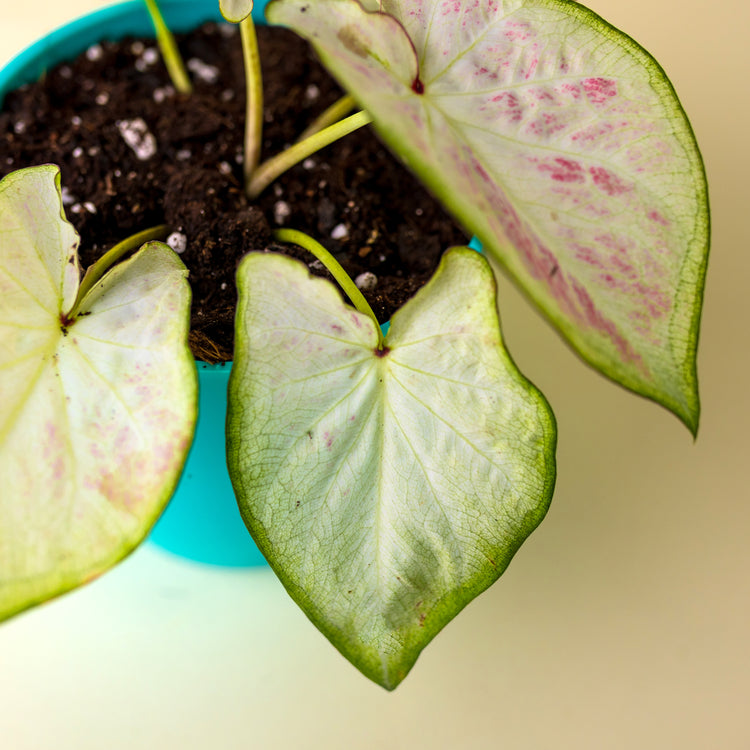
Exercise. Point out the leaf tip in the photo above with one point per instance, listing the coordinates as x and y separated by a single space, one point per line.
691 417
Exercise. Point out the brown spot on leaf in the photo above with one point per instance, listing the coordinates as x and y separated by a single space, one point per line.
350 39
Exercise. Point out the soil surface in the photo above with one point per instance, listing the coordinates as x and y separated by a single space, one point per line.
352 196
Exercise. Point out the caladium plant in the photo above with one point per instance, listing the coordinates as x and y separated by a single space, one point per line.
387 479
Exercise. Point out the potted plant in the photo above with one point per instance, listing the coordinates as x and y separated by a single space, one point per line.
387 479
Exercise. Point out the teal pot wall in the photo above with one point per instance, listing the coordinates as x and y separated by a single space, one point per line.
202 521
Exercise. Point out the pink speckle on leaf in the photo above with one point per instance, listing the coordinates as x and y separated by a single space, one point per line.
516 32
482 172
657 302
608 182
546 125
507 98
593 133
625 268
58 469
658 218
508 106
596 319
542 94
484 72
540 261
617 273
617 260
563 170
569 89
451 6
599 90
571 295
587 255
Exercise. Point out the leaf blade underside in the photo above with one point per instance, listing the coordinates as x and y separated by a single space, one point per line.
561 144
97 414
386 491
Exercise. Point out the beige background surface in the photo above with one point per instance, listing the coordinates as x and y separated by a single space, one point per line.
622 623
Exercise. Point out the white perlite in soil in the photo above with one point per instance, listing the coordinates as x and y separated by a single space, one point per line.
136 134
366 281
178 242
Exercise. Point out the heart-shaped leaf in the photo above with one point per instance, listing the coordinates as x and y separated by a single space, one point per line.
235 10
387 488
561 144
96 412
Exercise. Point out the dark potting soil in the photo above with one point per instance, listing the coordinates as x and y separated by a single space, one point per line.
352 196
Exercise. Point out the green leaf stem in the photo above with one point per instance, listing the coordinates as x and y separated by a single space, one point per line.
169 49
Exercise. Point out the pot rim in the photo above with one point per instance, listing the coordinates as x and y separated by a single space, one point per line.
128 18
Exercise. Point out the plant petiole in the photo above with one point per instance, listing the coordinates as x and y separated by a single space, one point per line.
294 237
254 93
277 165
169 50
338 110
95 271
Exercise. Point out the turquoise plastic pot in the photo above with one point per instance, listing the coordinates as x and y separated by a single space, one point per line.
202 521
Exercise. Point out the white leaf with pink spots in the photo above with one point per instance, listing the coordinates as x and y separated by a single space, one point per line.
559 143
96 413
